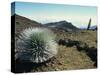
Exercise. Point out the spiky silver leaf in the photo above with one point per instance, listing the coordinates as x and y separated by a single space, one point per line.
36 45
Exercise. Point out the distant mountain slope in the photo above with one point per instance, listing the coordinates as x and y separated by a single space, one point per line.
63 25
93 27
23 22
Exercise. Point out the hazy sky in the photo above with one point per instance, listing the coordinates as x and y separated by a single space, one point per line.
44 13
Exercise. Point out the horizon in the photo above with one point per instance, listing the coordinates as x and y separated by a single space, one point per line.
45 13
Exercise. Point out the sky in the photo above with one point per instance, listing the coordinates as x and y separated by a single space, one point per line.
45 13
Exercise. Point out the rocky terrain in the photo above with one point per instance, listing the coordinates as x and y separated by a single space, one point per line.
77 49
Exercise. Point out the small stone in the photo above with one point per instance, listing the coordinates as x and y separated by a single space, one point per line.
56 69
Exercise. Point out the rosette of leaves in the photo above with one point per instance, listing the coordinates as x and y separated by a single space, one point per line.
36 45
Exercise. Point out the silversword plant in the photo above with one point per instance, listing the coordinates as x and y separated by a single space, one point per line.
36 45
